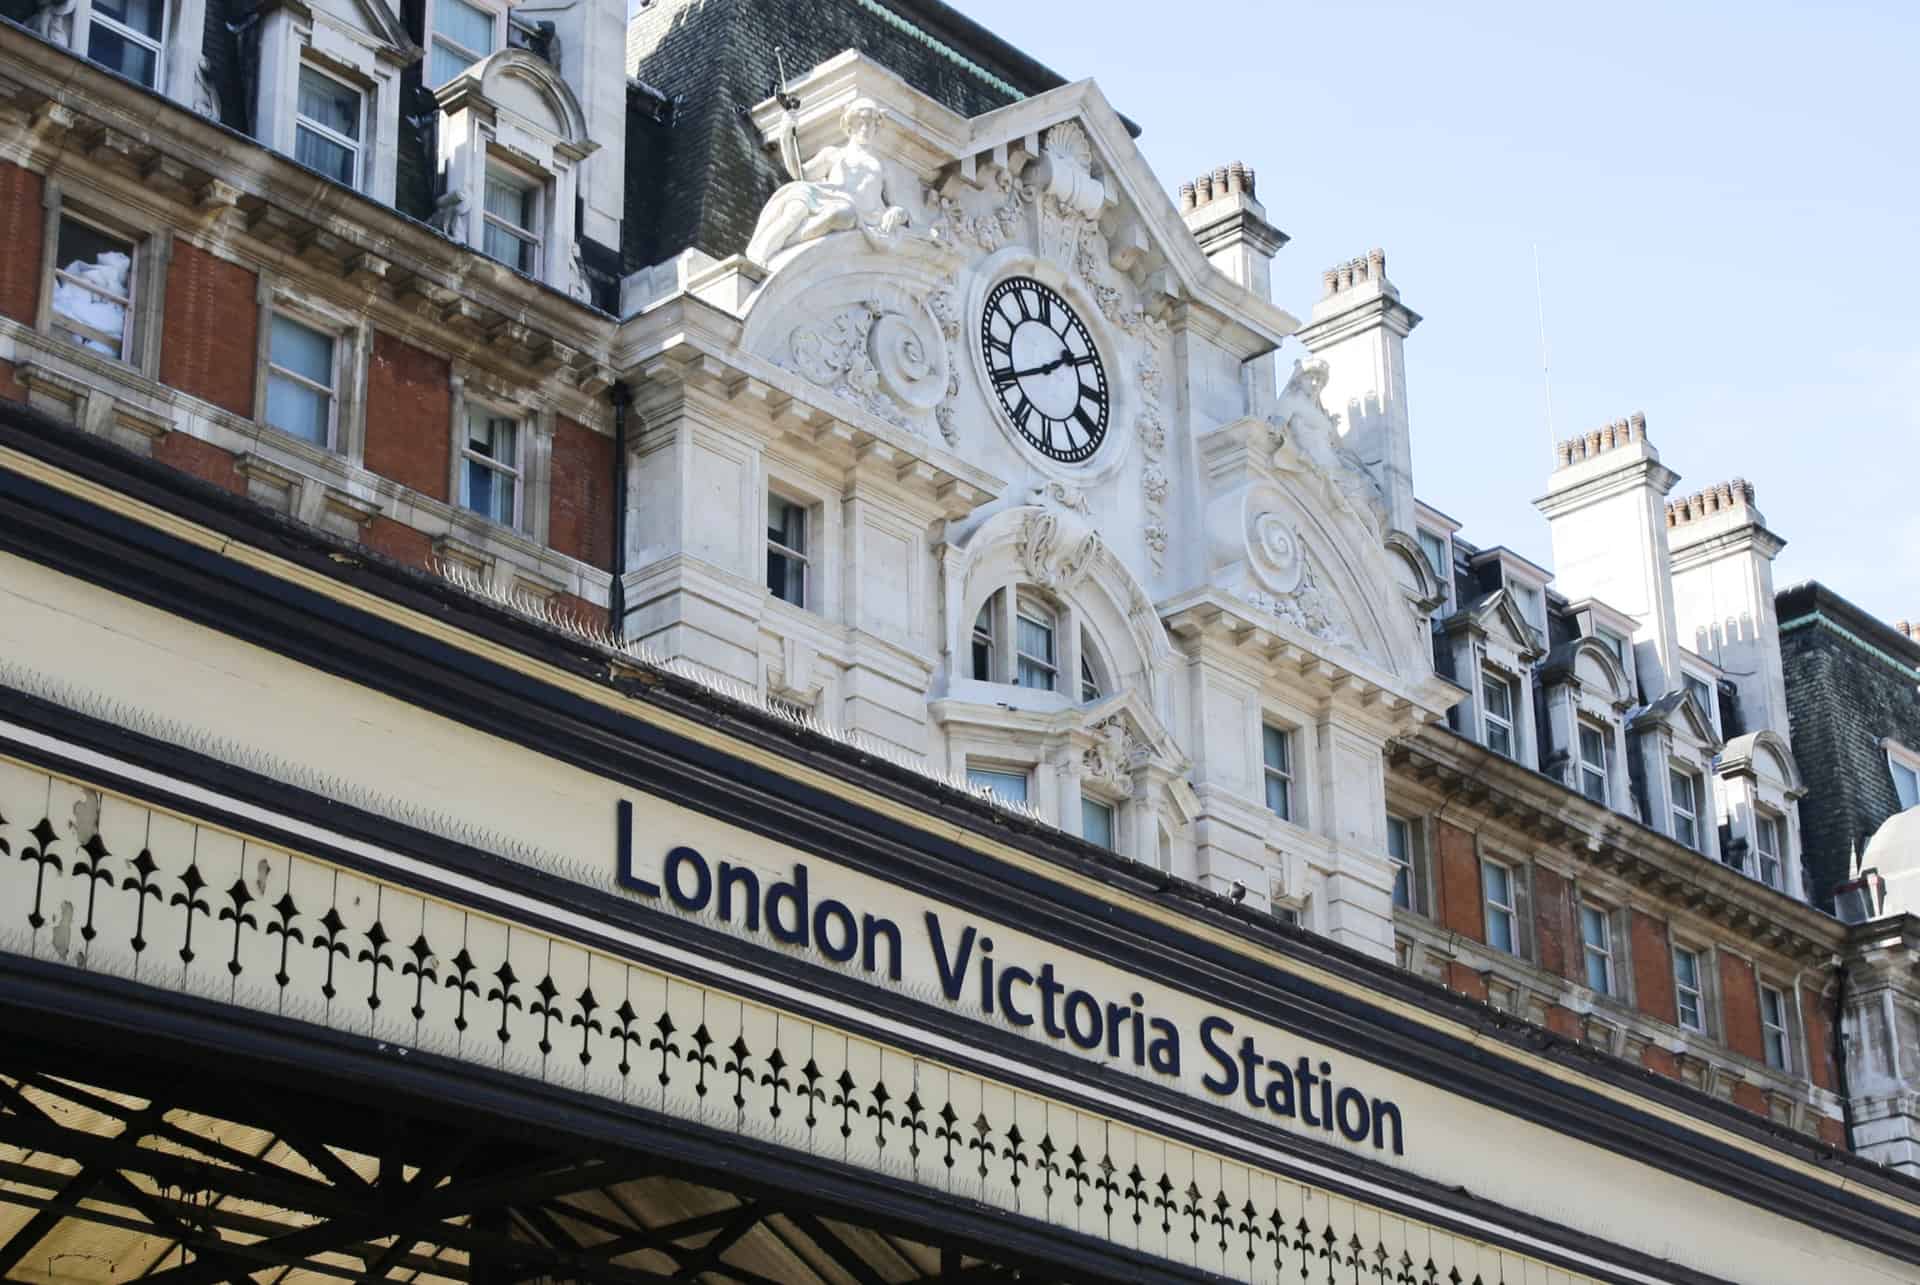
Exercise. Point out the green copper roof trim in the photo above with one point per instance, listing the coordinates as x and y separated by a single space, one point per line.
895 20
1817 618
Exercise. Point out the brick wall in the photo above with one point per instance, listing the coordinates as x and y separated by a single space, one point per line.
1653 968
580 515
409 416
209 338
1555 933
1456 876
1819 1035
397 541
1740 1007
207 462
23 232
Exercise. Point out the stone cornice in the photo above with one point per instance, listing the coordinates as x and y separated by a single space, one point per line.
1546 811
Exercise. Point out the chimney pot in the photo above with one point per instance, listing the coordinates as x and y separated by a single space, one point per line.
1331 279
1249 180
1186 196
1593 444
1639 421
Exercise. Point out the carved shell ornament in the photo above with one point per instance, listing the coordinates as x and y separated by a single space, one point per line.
1282 562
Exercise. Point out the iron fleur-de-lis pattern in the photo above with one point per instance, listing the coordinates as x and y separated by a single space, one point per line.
102 883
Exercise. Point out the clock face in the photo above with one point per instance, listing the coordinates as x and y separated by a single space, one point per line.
1044 369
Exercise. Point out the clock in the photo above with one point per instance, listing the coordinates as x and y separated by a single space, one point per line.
1044 369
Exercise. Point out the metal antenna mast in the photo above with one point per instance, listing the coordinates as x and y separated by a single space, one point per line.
1546 375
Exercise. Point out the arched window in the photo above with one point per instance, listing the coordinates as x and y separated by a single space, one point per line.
1026 638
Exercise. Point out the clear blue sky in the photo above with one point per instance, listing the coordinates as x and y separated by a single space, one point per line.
1726 200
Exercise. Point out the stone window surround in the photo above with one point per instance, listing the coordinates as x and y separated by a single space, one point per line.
1579 703
1710 1027
292 35
1303 765
1519 890
472 389
353 345
824 533
153 248
1419 863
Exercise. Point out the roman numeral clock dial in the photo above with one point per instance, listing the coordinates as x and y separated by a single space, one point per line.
1044 369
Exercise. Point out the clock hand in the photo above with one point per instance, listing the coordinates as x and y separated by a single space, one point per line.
1047 368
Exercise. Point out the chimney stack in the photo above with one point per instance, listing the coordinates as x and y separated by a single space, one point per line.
1606 506
1359 328
1231 227
1723 594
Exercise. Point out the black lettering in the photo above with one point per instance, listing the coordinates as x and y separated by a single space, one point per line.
1303 1074
1163 1055
731 875
697 900
1229 1073
1382 1112
793 895
953 971
1352 1129
1139 1030
1280 1089
1250 1064
872 929
1049 991
1326 1097
986 975
825 915
1087 1034
623 840
1008 976
1117 1014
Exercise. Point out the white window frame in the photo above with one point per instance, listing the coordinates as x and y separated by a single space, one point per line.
1901 758
1605 951
434 37
1777 1028
1030 611
1090 802
1710 704
1442 549
358 146
1675 775
1510 908
341 340
535 190
983 773
1093 682
159 46
1698 989
522 440
988 636
1770 823
1408 865
1279 776
799 557
1491 679
131 326
1586 767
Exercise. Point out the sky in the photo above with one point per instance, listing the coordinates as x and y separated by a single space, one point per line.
1725 199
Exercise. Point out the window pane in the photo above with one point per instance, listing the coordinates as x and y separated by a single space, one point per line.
465 25
1500 930
1499 697
1089 686
117 53
296 409
1594 929
303 350
318 152
327 102
1906 785
1036 638
1280 796
1592 748
1397 840
1274 745
446 63
1436 551
510 202
1497 883
786 524
1096 822
498 243
1686 968
1010 787
492 436
1599 972
92 284
142 16
1500 740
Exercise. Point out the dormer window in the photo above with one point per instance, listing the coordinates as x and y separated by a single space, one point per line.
1434 546
512 231
1684 788
129 37
1533 605
1702 691
327 127
1593 763
1767 847
463 34
1904 765
1496 716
